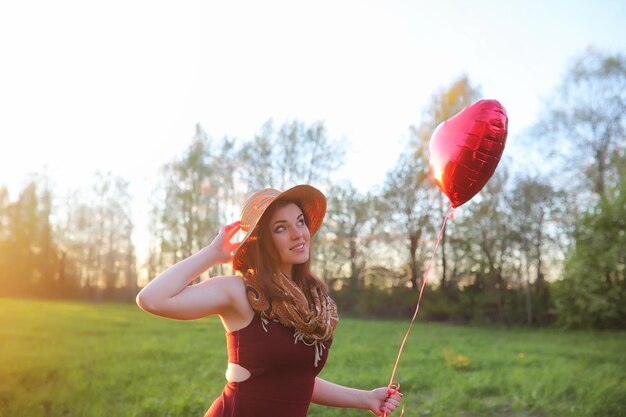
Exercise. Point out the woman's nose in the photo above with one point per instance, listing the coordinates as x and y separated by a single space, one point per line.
296 233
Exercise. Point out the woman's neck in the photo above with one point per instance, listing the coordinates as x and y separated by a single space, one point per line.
287 272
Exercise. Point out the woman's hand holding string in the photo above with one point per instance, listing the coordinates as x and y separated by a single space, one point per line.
384 401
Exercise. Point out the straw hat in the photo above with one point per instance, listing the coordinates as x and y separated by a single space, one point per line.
310 199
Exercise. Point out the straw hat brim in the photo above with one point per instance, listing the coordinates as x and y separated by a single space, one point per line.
311 200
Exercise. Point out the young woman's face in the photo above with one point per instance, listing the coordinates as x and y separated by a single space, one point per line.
290 235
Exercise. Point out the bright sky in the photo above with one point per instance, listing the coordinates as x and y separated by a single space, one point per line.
119 85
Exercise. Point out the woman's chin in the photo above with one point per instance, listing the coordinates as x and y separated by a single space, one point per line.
298 260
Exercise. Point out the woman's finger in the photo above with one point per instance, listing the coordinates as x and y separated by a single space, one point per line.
236 223
393 402
232 228
234 246
396 395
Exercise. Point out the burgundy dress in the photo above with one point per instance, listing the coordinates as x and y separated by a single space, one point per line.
282 373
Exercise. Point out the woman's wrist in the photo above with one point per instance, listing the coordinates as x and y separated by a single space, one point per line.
209 254
370 399
214 255
208 251
362 398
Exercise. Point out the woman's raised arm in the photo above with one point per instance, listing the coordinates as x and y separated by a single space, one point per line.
170 295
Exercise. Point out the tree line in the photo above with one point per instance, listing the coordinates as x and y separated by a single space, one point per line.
543 242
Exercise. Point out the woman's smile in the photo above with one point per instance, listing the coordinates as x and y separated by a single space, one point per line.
291 236
299 248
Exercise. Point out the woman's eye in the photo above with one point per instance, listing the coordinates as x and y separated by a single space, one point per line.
301 222
279 229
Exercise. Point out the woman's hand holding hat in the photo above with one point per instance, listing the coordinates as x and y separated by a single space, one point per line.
221 246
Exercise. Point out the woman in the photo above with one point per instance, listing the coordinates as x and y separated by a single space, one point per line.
278 317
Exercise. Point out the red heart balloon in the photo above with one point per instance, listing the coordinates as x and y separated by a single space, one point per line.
465 149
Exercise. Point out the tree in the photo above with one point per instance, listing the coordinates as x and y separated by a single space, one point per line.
96 254
586 120
190 205
533 202
185 212
485 233
592 292
257 160
28 253
350 219
584 127
409 189
443 105
77 243
115 227
18 273
5 240
46 255
295 153
407 195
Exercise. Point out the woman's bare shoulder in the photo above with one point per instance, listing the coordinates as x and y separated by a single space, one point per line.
234 284
240 313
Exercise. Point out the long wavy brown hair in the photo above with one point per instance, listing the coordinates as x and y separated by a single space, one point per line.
263 259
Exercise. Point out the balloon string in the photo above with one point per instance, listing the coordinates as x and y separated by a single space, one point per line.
392 385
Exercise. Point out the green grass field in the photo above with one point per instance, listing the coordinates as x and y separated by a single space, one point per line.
107 360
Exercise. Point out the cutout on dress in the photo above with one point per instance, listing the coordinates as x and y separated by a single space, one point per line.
236 373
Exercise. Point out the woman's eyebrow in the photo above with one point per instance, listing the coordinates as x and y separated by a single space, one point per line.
301 215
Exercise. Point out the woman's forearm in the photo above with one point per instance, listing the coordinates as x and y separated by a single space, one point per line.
176 278
333 395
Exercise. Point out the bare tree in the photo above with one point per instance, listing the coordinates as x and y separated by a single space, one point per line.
443 105
294 153
97 255
350 219
190 205
407 195
584 124
20 220
533 203
28 252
